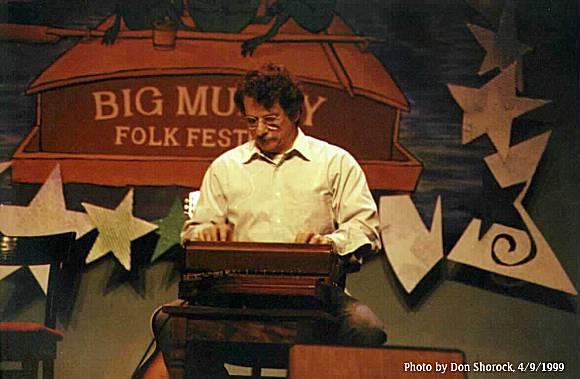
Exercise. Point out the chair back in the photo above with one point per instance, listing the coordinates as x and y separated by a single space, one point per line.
53 250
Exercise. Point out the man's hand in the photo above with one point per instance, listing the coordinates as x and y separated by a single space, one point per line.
313 238
216 232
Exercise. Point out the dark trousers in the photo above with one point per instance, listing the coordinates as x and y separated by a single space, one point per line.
357 326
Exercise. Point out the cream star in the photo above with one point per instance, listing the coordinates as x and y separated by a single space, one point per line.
4 166
502 49
6 271
412 249
491 10
519 259
45 215
521 164
491 109
40 273
543 269
117 228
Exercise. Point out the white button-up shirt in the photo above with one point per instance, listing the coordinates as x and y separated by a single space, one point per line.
313 187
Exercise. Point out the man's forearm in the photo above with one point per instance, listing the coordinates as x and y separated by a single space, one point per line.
348 241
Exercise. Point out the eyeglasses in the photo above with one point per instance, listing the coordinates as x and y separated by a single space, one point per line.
272 122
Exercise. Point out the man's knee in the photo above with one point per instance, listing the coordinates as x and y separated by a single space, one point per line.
361 315
158 322
363 336
363 327
160 326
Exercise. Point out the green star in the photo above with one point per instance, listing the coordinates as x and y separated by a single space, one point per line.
169 229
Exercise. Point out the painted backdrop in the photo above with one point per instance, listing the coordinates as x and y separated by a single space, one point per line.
432 50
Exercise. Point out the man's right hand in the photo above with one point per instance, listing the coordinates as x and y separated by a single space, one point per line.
216 232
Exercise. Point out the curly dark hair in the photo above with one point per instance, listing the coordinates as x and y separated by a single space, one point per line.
270 84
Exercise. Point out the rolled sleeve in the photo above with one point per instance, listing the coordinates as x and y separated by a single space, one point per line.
354 208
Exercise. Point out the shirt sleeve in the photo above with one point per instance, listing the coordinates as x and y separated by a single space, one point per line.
211 207
354 208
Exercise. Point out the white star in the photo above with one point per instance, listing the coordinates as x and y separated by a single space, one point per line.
4 166
45 215
521 164
491 109
412 249
40 273
117 228
492 253
502 49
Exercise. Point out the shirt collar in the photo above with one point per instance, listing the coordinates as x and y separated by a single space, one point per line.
300 147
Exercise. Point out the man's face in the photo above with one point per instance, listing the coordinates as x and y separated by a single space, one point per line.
272 130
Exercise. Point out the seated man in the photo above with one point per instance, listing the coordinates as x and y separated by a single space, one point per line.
284 186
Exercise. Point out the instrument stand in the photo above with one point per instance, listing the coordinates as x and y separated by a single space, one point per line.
248 337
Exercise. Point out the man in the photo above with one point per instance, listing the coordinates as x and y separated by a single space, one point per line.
284 186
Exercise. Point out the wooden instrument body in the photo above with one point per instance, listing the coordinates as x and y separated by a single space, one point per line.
242 270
